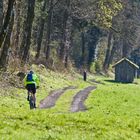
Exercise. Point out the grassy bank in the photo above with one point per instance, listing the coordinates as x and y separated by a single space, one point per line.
113 111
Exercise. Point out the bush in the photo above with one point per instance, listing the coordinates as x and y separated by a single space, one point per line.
96 67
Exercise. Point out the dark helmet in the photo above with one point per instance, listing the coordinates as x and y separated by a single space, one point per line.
31 72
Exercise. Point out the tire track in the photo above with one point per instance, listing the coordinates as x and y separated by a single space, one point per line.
78 100
51 99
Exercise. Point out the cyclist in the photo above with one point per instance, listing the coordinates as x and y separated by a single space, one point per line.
31 82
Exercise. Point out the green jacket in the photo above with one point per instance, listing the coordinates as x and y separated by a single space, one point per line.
35 81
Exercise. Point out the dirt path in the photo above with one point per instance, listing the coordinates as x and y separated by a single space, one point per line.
79 98
51 99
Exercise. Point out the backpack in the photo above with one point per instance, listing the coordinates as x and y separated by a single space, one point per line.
30 77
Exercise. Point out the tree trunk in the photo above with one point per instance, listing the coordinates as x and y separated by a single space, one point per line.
17 26
63 44
68 41
6 44
6 21
26 40
113 50
63 39
126 49
83 49
49 29
108 52
41 29
1 14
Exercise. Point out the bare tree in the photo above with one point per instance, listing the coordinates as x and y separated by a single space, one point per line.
1 14
6 43
17 25
108 51
26 39
65 40
49 28
41 28
6 21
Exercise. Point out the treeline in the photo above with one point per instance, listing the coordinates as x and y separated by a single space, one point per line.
87 34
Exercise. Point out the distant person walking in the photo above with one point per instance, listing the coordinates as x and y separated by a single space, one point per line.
85 75
31 82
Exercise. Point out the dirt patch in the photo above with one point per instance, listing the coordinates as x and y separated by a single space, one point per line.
51 99
79 98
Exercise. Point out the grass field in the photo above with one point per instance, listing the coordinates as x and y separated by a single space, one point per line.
113 111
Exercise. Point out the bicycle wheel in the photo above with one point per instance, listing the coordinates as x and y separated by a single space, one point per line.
31 102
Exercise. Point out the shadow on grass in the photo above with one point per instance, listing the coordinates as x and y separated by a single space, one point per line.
113 81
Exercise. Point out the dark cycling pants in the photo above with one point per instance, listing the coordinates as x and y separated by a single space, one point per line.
31 88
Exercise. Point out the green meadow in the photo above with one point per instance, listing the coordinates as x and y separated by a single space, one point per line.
113 111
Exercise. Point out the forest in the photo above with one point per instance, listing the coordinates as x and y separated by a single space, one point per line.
61 34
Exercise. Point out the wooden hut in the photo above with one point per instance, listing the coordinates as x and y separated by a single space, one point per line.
125 71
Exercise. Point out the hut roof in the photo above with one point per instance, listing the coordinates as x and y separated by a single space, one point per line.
130 62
